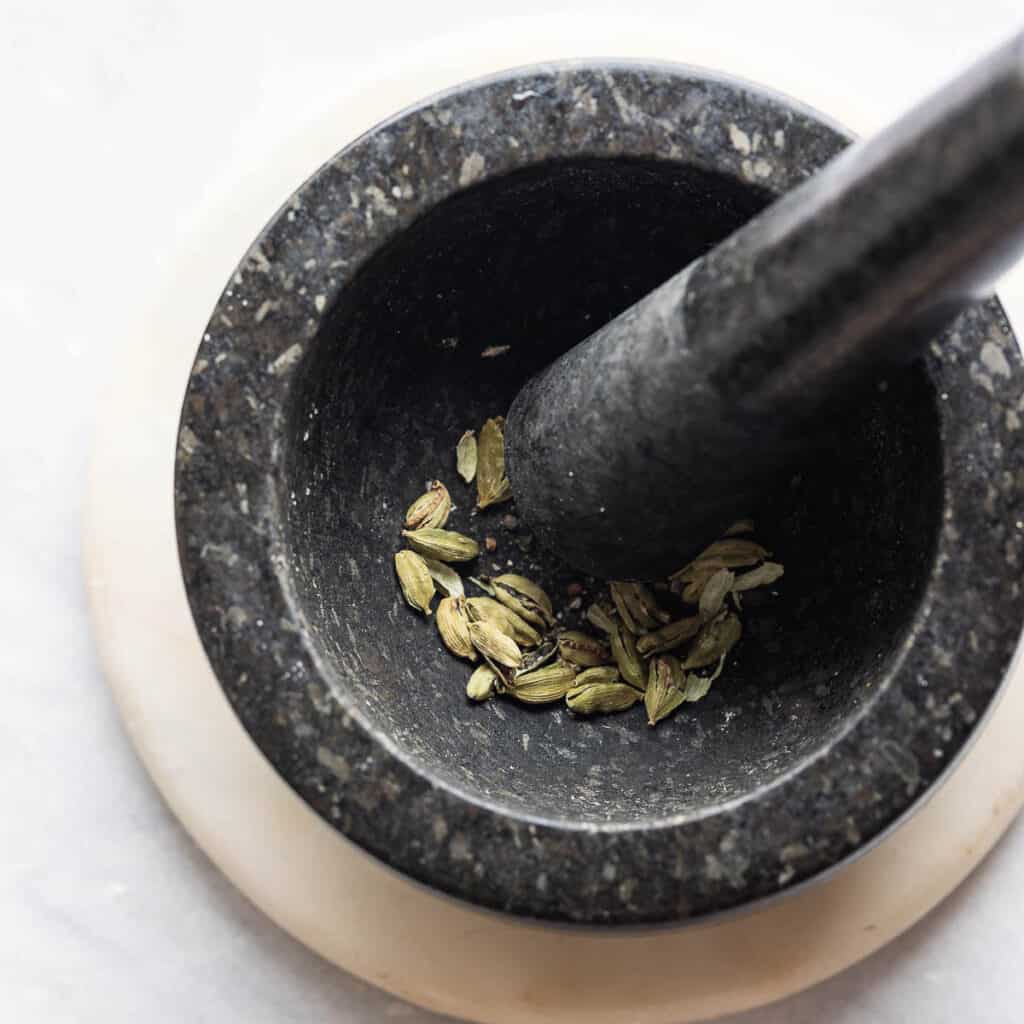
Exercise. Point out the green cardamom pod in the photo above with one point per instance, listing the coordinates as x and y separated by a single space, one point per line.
430 509
762 576
483 683
444 545
453 625
414 579
663 693
582 649
714 593
714 641
637 606
465 456
492 485
669 637
515 626
601 698
525 598
494 644
627 657
543 685
601 674
602 616
730 553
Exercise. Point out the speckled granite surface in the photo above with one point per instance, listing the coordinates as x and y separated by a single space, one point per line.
286 459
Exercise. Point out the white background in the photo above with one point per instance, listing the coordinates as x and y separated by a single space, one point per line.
118 122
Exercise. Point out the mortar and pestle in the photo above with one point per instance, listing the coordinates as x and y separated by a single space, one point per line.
344 359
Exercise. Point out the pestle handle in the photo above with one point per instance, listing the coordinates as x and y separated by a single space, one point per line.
647 439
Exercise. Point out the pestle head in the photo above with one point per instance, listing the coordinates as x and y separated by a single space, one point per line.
649 438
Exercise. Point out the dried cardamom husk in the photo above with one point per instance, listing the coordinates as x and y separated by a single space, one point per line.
603 616
492 485
762 576
695 686
663 693
483 683
540 655
543 685
495 644
484 584
714 593
582 649
715 640
637 606
430 509
515 626
453 625
445 577
601 698
465 456
627 657
525 598
414 579
444 545
730 553
669 637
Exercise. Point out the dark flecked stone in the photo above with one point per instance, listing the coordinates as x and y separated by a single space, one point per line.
337 372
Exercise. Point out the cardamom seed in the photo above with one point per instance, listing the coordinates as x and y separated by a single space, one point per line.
414 579
601 698
714 641
444 545
494 644
453 625
489 610
492 485
483 683
714 593
540 655
669 637
582 649
445 577
465 456
525 598
663 694
627 657
430 509
603 616
543 685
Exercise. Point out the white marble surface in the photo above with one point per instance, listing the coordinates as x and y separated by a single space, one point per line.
120 119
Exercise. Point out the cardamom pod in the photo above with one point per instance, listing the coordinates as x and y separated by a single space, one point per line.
714 593
602 616
494 644
600 674
525 598
430 509
414 579
582 649
482 684
627 657
492 485
453 625
444 545
489 610
543 685
669 637
764 574
695 686
445 577
465 456
663 694
637 606
715 640
601 698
